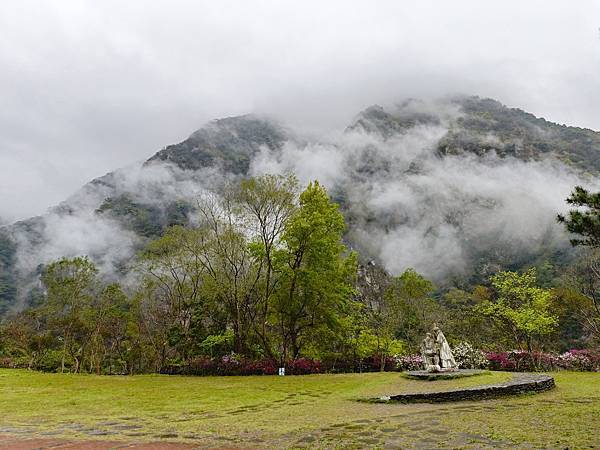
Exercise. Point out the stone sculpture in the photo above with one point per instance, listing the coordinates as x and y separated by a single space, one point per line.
429 353
445 353
436 353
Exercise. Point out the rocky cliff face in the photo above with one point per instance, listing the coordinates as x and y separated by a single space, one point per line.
457 189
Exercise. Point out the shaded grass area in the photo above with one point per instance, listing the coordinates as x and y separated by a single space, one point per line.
294 411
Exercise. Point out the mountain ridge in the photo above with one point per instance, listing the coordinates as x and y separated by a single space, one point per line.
414 157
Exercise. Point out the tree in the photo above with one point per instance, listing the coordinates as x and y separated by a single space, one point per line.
175 265
25 335
382 312
267 203
521 307
316 271
586 222
70 284
8 285
232 276
412 308
584 275
109 316
461 319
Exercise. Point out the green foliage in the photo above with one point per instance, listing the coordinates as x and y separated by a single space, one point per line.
521 306
8 286
580 298
411 306
583 222
144 220
316 271
266 269
264 273
217 344
229 143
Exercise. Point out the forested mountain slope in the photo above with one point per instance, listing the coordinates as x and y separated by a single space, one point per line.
457 188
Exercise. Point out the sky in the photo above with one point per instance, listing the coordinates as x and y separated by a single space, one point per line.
88 86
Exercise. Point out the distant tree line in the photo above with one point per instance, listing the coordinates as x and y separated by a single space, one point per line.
263 274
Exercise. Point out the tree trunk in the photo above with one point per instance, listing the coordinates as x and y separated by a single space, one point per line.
64 352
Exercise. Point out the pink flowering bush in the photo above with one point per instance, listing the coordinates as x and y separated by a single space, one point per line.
584 360
409 362
522 361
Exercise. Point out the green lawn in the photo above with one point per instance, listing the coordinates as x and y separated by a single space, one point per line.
294 411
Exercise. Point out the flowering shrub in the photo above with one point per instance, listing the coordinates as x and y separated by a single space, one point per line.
236 365
303 366
522 361
468 357
579 360
409 362
500 361
228 365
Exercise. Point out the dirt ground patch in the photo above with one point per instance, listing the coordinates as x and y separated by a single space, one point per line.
22 443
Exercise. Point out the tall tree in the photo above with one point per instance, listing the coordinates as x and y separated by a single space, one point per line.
317 271
412 310
382 314
232 276
522 308
108 317
584 276
267 203
70 284
175 266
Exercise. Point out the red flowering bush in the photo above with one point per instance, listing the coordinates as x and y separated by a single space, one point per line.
303 366
500 361
238 365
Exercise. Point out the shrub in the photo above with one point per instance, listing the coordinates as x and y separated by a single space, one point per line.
236 365
303 366
409 362
500 361
468 357
7 363
583 360
50 361
522 361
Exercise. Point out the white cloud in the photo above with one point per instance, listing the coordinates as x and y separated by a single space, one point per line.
88 86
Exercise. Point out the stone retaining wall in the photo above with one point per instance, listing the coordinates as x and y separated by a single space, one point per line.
434 376
520 384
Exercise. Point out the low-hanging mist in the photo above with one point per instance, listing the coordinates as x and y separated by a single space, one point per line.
413 193
409 207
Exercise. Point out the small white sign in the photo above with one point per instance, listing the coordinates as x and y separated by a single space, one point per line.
281 371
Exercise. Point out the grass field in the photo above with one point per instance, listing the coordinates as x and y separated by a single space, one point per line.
300 411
